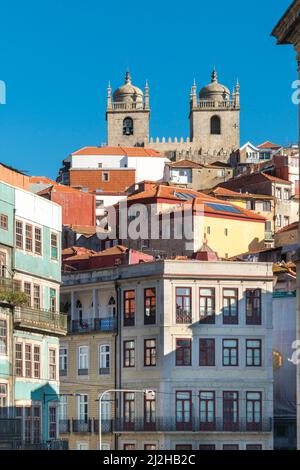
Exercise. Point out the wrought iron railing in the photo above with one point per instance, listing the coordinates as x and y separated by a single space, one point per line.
81 425
183 316
93 324
64 426
55 444
10 429
107 426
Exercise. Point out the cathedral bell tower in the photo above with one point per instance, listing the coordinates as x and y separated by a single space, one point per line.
127 115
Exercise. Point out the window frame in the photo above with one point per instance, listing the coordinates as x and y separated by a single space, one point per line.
252 350
229 319
104 358
230 355
207 424
52 365
129 308
181 351
207 319
3 337
254 318
183 425
151 318
231 424
185 316
4 222
151 355
128 356
207 351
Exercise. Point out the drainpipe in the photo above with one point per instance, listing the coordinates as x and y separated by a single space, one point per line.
118 356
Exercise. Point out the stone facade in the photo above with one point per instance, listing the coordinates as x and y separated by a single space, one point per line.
214 122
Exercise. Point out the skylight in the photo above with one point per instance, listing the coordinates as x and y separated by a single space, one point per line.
184 196
224 208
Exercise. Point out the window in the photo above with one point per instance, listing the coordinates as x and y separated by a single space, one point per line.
83 446
32 423
104 359
36 362
253 447
286 221
230 411
3 401
112 307
52 300
207 411
183 352
63 361
3 222
253 353
267 206
253 306
230 352
19 234
19 359
37 240
207 305
278 192
52 364
129 410
27 291
83 360
105 176
129 354
36 297
150 447
129 447
83 411
3 267
36 424
286 194
278 220
183 447
207 352
129 307
149 352
28 238
230 306
183 411
226 232
150 306
149 411
28 360
207 447
183 305
3 337
215 125
128 126
254 411
231 447
54 246
52 422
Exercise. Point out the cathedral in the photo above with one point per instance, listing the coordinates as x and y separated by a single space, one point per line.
214 122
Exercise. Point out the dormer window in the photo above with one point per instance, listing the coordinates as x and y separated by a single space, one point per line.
128 126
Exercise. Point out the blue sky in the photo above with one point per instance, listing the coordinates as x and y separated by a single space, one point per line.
56 58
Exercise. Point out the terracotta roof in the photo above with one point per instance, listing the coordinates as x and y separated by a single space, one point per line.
53 186
83 229
76 250
185 163
217 164
115 250
219 191
269 145
275 179
287 228
128 151
166 192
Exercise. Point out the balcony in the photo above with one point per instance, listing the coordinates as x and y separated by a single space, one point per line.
107 426
55 444
40 320
64 426
105 325
10 429
81 425
183 316
170 425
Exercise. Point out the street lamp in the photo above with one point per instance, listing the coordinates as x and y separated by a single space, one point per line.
116 390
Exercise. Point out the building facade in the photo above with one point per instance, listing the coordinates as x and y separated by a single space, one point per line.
30 240
197 336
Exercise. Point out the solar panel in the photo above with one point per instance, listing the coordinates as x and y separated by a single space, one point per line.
224 208
184 196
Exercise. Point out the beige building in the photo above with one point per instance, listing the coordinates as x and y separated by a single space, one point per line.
214 122
287 31
195 335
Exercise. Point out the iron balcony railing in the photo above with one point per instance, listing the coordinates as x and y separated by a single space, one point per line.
107 426
40 320
183 316
171 425
64 426
10 429
55 444
93 324
82 425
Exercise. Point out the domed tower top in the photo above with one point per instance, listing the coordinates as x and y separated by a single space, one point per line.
214 90
129 94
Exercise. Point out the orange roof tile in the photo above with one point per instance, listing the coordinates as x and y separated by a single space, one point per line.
287 228
185 163
275 179
219 191
128 151
268 145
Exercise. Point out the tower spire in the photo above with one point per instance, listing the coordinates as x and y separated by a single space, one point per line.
146 101
214 76
127 77
108 101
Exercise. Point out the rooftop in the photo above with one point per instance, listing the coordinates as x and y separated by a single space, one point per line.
116 151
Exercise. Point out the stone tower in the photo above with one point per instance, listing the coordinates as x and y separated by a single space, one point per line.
127 115
215 118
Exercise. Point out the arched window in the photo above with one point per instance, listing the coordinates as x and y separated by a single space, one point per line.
128 126
215 125
112 307
79 310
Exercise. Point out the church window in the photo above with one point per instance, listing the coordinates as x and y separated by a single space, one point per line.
128 126
215 125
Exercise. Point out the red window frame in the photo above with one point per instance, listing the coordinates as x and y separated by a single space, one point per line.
230 410
128 355
183 447
149 412
182 424
129 410
230 319
231 447
254 424
182 350
150 306
129 307
253 311
250 353
230 349
207 424
128 446
207 352
207 447
183 305
149 353
207 318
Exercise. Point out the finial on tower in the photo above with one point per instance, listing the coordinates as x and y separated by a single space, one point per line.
109 103
127 77
146 101
237 86
214 76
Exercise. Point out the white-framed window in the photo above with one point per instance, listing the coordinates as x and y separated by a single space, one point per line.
104 359
106 408
82 446
63 361
3 336
52 364
83 360
105 446
3 400
278 220
83 407
3 264
63 408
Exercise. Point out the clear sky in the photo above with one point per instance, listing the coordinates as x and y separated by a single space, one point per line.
56 57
